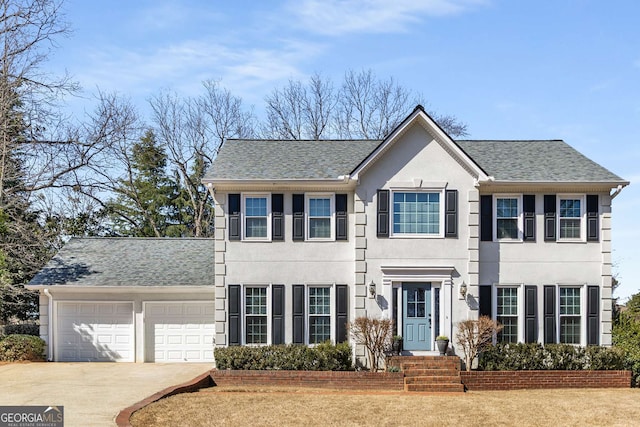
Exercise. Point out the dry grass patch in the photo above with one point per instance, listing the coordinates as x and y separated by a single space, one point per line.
273 406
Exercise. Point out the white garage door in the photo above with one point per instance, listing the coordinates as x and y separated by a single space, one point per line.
179 332
95 332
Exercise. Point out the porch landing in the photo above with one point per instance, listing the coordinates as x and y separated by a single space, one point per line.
429 373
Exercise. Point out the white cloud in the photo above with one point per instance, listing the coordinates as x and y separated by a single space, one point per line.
337 17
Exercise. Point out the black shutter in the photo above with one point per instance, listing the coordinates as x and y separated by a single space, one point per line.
234 315
486 218
394 305
592 217
550 314
342 312
298 217
530 314
341 217
234 217
593 315
485 303
451 213
277 314
277 217
383 213
298 314
529 211
550 217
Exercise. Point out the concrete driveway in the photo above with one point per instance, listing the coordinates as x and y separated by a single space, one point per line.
91 393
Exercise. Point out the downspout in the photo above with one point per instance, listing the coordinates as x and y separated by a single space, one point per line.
50 324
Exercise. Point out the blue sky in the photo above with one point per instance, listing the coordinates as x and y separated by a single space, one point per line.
549 69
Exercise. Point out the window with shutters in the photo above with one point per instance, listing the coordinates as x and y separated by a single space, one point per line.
320 209
417 214
255 315
256 216
570 315
508 217
319 314
571 217
507 313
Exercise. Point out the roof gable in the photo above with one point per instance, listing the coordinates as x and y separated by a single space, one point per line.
421 118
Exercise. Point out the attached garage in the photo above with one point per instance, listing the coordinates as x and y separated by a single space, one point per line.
129 300
179 331
95 332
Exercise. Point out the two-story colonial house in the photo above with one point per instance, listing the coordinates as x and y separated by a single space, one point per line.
417 227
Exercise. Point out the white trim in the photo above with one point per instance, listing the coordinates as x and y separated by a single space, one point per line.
519 218
583 217
243 209
332 216
441 203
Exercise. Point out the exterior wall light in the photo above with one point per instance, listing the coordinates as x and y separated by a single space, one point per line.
463 290
372 289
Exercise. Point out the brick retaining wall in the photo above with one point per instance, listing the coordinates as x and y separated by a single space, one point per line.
344 380
514 380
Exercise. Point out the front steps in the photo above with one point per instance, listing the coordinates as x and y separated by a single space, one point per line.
435 374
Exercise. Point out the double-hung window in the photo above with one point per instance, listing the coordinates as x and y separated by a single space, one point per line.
570 217
417 213
255 310
256 217
570 325
508 217
320 217
319 314
507 313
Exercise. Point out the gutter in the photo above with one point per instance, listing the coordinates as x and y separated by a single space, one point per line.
50 324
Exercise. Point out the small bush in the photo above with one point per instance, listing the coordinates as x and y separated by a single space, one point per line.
323 357
21 347
22 329
514 357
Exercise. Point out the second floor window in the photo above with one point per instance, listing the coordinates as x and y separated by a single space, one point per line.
570 218
256 217
320 216
507 217
416 213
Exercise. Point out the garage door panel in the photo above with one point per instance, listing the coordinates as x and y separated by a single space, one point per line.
95 331
179 332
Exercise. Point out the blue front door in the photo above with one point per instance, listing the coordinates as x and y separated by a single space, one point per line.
416 316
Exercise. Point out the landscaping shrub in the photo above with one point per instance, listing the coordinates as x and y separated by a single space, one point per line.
22 329
323 357
514 357
21 347
626 336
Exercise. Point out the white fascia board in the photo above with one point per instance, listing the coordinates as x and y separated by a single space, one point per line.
341 183
494 185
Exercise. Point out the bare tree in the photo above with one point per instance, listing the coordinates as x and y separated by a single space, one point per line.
193 129
375 335
475 335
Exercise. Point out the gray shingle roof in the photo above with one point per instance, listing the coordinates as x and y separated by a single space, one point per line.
269 159
551 161
518 161
130 262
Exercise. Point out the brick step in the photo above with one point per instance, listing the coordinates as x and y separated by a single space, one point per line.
413 367
414 372
435 388
440 379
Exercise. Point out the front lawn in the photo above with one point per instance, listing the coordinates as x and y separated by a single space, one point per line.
235 406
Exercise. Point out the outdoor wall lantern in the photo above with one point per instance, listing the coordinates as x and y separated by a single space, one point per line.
463 290
372 289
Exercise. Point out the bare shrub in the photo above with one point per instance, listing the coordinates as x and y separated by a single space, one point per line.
475 335
375 335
